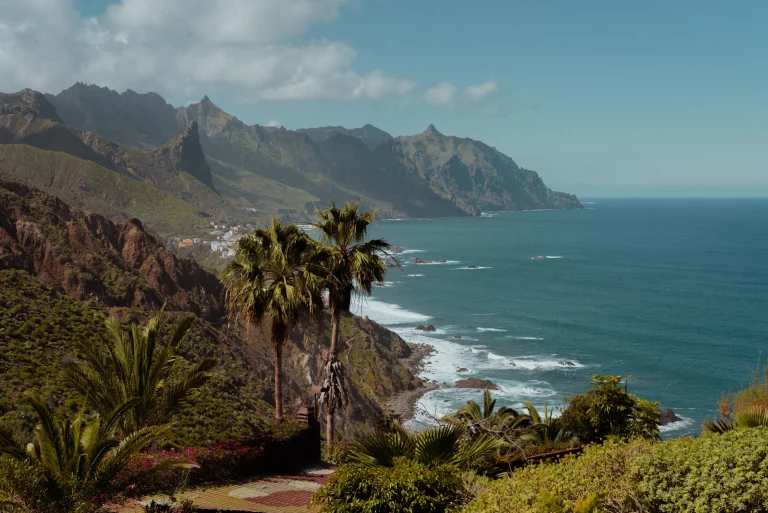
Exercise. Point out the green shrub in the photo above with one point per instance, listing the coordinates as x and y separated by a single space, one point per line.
607 409
725 473
405 487
599 474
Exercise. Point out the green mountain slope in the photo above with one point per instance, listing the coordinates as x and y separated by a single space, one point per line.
85 184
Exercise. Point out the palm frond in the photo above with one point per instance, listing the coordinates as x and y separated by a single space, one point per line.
718 426
755 416
439 444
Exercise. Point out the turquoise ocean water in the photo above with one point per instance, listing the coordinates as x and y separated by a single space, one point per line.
673 292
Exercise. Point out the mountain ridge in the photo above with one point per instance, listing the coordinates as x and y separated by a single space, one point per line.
237 172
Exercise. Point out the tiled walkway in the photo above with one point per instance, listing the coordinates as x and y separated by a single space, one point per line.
290 493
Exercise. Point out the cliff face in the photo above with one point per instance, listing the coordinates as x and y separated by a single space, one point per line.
184 153
475 176
131 119
87 256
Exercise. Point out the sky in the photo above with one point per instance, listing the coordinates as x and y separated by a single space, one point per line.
602 98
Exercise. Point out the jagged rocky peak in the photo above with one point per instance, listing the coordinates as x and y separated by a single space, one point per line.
207 106
431 130
184 153
28 101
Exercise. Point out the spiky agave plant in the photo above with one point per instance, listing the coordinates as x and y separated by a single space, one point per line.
445 444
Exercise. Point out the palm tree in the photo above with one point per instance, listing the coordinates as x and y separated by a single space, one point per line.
353 266
277 273
755 416
132 364
72 465
443 444
487 419
544 430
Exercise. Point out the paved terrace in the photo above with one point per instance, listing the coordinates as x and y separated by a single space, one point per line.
288 493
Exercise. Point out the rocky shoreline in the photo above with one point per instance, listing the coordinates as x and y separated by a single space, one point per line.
403 405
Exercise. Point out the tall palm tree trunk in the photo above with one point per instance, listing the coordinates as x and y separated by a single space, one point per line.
335 325
333 355
329 426
279 382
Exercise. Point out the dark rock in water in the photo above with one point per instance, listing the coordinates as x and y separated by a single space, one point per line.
668 417
426 328
471 267
462 369
440 261
457 336
417 260
477 383
567 364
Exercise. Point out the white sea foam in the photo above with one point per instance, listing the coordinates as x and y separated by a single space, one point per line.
409 251
471 268
440 402
449 356
490 329
544 363
554 257
676 426
414 275
513 337
388 314
453 262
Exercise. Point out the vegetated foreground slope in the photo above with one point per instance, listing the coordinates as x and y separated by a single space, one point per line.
62 271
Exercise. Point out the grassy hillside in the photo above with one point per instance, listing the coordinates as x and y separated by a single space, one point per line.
38 330
85 184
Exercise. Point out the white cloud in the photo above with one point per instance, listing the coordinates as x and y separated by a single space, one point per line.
441 94
187 47
480 91
273 122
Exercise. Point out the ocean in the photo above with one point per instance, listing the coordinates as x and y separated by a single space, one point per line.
671 292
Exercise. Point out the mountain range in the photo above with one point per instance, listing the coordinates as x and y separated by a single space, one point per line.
134 155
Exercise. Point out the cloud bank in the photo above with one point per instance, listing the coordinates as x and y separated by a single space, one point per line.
186 46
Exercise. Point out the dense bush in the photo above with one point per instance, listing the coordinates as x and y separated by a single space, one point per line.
726 473
405 487
576 483
608 410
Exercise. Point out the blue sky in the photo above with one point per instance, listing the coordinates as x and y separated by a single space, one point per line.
601 98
